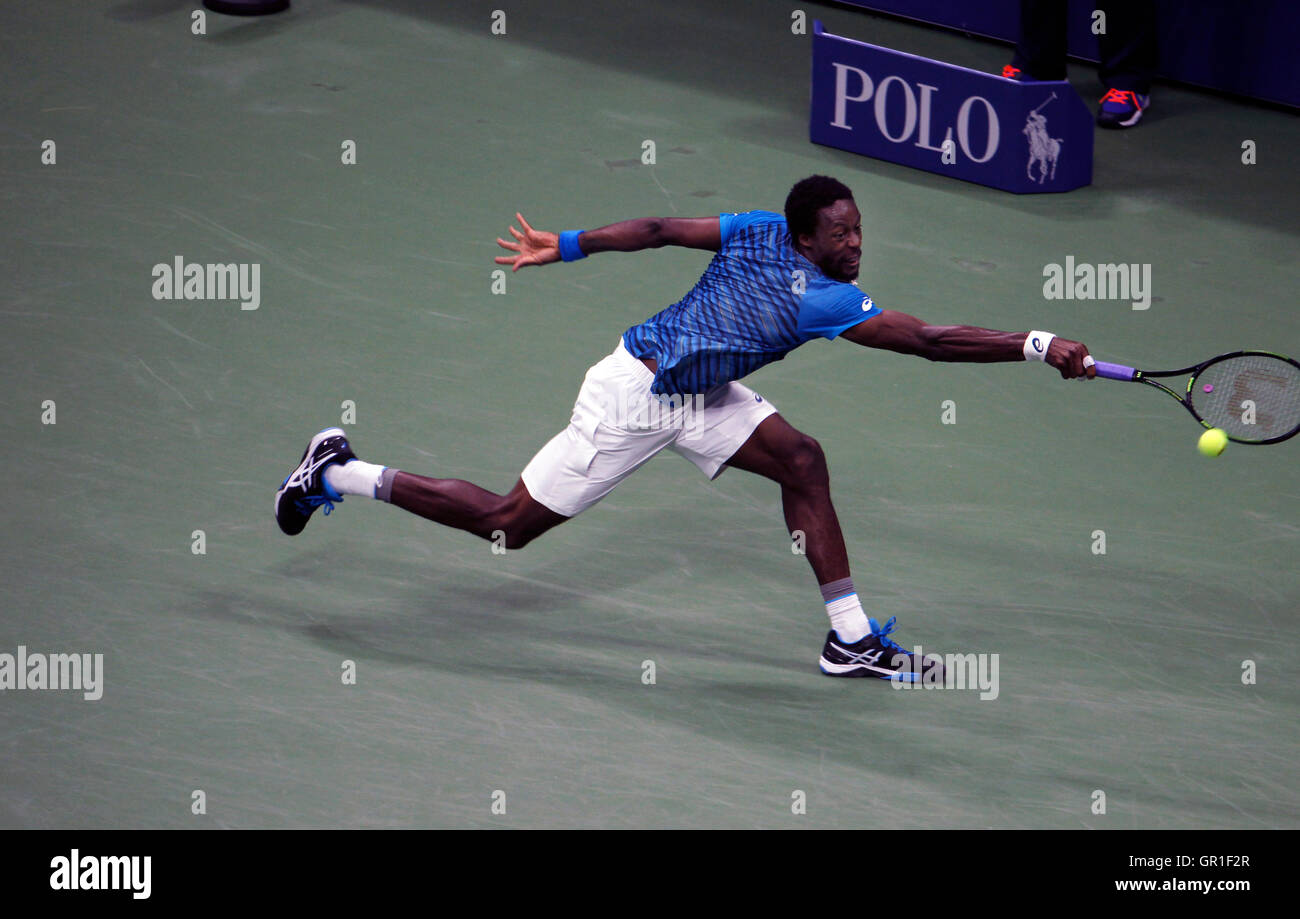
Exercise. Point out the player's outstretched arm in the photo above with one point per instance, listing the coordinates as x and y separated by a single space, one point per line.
895 331
654 233
536 247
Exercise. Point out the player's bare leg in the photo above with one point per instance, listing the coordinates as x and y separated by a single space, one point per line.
465 506
856 646
329 470
796 462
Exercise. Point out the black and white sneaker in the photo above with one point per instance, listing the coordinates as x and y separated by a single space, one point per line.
305 489
874 656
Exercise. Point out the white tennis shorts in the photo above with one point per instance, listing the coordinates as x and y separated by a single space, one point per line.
618 424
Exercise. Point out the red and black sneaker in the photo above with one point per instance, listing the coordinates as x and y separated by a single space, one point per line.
1121 108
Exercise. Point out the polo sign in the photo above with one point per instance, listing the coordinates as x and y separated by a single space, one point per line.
1019 137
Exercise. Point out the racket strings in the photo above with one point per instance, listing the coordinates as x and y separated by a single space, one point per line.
1252 397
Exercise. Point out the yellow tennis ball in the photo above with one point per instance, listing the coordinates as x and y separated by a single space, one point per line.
1212 442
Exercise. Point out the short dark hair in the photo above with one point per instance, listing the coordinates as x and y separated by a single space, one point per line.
807 197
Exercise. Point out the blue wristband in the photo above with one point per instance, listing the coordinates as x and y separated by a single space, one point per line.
570 251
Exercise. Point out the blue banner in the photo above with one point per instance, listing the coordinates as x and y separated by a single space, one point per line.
1246 46
1020 137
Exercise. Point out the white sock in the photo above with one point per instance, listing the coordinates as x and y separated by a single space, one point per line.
354 477
847 618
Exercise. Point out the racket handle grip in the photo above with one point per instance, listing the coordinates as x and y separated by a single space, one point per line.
1115 371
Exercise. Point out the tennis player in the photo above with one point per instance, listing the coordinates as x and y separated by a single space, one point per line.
672 382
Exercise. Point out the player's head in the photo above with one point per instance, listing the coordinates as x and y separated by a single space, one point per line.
825 225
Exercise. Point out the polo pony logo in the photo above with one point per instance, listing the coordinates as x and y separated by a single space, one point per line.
1043 149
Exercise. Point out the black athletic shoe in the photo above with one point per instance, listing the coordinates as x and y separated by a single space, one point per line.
305 489
875 656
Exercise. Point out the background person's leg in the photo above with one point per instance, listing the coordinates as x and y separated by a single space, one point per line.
1041 48
1128 46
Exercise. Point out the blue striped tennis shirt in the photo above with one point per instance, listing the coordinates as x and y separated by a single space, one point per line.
757 301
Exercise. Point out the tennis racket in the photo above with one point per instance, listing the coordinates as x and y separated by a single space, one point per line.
1254 396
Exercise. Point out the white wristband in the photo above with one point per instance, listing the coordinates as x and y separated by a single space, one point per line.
1036 345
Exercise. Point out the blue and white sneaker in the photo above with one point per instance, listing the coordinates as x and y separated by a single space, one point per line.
305 489
1121 108
874 656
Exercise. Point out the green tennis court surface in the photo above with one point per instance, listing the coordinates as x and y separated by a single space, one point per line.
522 673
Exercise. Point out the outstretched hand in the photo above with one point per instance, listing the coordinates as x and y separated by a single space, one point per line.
1068 357
535 247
